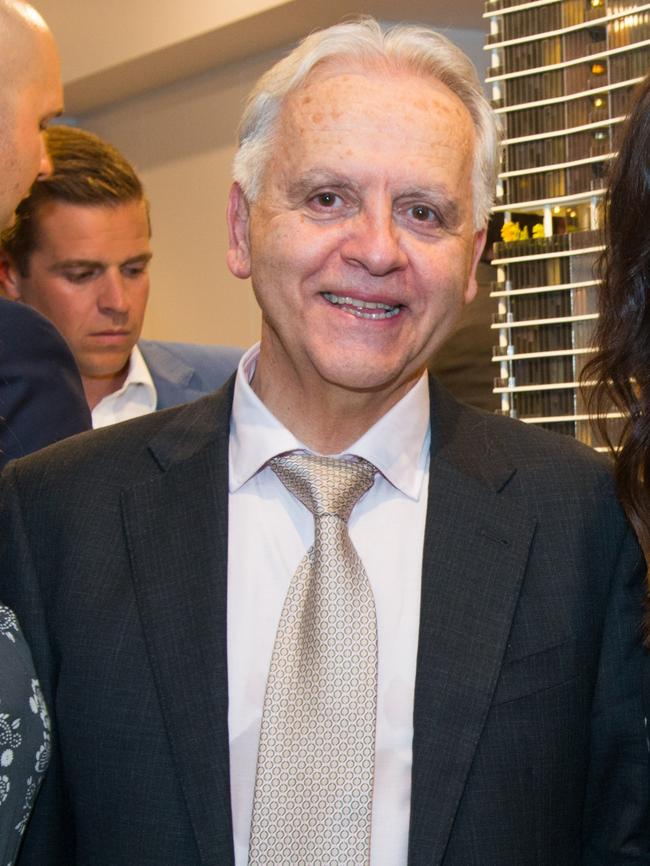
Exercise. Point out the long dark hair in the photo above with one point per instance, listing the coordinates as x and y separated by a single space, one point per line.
621 367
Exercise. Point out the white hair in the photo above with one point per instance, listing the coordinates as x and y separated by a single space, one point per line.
364 41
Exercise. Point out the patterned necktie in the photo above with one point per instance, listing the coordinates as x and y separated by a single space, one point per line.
315 766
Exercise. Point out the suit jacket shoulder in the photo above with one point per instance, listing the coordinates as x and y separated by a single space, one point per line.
41 396
182 372
493 447
120 455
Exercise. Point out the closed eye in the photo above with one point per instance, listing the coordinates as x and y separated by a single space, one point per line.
81 275
135 270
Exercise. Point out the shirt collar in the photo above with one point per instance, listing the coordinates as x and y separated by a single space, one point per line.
398 444
138 371
138 375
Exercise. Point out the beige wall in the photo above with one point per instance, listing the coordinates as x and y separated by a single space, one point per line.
181 140
112 51
94 35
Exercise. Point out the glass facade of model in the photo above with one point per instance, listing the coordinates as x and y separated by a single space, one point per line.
561 73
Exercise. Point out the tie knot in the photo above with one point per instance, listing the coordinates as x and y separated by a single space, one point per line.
324 485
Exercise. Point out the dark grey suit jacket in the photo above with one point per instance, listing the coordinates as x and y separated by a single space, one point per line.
529 745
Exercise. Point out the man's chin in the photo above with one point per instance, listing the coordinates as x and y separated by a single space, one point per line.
373 380
104 367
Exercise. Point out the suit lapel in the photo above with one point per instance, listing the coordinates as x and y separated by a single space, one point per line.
177 532
475 553
172 376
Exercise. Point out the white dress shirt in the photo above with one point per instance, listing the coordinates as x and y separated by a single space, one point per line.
136 397
269 533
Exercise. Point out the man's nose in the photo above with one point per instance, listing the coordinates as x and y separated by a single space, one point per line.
114 296
374 242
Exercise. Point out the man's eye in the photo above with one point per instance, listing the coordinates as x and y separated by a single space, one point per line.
423 213
78 276
326 199
133 271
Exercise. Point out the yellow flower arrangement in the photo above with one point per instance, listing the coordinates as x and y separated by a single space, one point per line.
511 231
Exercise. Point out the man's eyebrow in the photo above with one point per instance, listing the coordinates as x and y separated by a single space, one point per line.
315 177
77 263
97 263
142 257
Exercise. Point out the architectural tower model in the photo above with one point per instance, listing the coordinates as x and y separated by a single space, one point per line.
561 73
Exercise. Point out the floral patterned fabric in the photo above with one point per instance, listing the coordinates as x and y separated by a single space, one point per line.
24 736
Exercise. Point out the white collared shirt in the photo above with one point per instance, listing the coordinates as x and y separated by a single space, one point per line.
269 533
136 397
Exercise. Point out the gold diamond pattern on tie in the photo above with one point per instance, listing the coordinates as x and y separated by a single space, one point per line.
315 767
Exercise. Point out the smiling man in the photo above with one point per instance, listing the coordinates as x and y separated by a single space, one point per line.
79 253
335 616
360 259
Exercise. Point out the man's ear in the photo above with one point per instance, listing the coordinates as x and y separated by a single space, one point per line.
9 277
479 243
238 216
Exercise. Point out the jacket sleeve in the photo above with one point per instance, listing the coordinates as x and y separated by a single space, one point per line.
41 396
616 812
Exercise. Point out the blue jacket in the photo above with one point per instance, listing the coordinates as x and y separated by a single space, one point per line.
41 397
183 372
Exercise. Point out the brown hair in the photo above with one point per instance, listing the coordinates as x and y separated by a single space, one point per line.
621 367
85 171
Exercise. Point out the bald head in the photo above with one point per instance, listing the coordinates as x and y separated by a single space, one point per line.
30 96
20 28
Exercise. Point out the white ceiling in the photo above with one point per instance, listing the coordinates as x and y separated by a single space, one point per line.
111 51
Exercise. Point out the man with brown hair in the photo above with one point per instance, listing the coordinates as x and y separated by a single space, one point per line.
79 253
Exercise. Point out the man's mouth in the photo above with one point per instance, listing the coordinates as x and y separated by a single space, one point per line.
110 337
363 309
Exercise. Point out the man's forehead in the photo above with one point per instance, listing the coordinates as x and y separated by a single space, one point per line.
58 210
346 109
36 90
367 128
25 41
65 225
337 81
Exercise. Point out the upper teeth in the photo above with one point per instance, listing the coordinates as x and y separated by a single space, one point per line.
357 304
